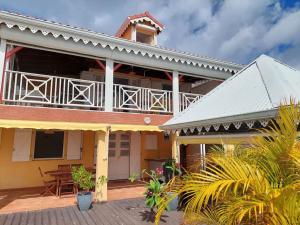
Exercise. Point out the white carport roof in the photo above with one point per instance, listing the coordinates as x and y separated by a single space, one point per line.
253 94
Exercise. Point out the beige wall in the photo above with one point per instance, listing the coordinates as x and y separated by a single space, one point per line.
163 151
26 174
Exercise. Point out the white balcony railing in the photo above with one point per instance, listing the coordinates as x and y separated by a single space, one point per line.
23 88
185 99
37 89
142 99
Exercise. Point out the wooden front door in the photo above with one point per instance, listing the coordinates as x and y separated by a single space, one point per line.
119 156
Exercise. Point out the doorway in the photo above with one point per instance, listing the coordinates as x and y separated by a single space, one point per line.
119 156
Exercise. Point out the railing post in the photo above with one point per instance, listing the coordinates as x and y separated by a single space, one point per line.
109 85
2 66
175 85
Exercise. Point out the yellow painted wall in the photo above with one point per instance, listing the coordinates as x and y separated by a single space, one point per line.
163 151
26 174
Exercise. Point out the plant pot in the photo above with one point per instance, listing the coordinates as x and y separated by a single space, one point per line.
84 200
173 205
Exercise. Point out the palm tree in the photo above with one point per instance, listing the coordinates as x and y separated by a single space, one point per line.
259 184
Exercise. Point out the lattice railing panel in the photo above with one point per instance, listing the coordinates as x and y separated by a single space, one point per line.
185 99
37 89
142 99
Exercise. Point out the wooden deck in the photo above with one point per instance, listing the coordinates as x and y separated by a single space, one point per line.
125 212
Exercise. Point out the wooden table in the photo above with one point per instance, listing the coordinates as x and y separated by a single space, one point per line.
57 174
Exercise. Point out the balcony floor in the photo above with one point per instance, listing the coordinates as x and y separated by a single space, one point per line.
29 199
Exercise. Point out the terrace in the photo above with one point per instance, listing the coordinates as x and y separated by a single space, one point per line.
41 78
127 212
31 89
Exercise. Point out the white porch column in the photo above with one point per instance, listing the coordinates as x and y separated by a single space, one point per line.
175 148
2 60
109 85
102 164
175 96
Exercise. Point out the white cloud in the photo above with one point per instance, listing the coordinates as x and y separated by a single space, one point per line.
235 30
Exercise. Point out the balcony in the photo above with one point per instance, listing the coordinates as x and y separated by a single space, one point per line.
28 89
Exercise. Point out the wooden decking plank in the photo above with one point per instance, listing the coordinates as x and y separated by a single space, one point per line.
123 212
16 219
126 213
66 216
124 205
98 209
74 219
87 218
126 217
98 219
137 210
45 217
9 219
52 217
30 220
116 216
2 219
59 217
24 217
108 217
38 217
78 216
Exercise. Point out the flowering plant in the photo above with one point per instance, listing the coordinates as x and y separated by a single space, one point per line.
154 188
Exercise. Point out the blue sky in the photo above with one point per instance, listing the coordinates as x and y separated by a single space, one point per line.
234 30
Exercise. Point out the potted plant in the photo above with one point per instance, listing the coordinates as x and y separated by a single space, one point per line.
84 181
170 170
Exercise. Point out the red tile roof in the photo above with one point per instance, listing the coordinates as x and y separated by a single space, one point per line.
128 20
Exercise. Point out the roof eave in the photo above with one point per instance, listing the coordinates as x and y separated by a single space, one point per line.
267 114
87 36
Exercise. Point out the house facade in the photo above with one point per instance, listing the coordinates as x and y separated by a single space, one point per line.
70 95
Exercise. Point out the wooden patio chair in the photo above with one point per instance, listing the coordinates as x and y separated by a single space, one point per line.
64 167
66 185
48 185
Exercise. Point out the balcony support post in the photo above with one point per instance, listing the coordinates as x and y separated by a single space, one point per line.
175 85
102 165
109 85
175 147
2 65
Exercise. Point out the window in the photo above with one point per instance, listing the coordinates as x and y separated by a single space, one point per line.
144 38
49 144
125 145
112 145
151 142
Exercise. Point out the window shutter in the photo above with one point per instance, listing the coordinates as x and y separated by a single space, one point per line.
74 145
22 143
151 142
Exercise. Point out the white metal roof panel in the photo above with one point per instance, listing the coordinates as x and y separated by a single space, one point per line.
260 86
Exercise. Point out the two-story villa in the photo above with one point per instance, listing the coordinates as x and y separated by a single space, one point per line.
71 95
